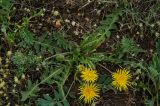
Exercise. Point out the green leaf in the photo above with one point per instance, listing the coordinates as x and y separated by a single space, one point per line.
3 29
158 46
25 61
105 81
59 97
26 35
153 72
129 46
155 64
11 37
31 91
87 62
92 41
149 102
96 57
65 103
46 101
61 41
57 101
6 5
53 74
33 88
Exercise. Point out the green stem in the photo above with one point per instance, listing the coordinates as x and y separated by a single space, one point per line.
40 43
157 98
63 94
44 80
56 55
69 88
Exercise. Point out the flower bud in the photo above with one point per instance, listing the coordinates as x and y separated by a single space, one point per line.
23 76
2 84
16 80
9 53
55 13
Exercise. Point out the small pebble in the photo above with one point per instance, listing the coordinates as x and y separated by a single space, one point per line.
73 23
66 20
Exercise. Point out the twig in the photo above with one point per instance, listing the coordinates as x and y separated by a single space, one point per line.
105 68
85 5
110 2
69 88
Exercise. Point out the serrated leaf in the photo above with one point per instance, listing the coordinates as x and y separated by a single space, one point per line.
88 62
153 72
47 101
105 81
26 35
155 63
33 88
92 41
65 103
96 57
90 44
56 95
62 42
51 75
30 92
129 46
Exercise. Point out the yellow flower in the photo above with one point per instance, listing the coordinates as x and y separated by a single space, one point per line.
89 92
89 75
121 79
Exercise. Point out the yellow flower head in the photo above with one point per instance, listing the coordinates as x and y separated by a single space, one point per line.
89 75
89 92
121 79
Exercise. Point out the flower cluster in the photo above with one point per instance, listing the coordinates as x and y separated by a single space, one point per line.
89 90
5 73
8 84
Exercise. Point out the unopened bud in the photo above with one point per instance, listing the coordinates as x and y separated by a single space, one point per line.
23 76
9 53
16 80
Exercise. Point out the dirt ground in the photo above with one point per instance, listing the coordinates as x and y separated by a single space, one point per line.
77 18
